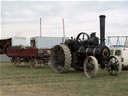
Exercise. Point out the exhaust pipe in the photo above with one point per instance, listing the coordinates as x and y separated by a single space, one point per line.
102 29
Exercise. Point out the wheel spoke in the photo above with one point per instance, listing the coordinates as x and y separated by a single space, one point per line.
60 58
90 66
114 66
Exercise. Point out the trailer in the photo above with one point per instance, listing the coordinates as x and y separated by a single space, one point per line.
30 56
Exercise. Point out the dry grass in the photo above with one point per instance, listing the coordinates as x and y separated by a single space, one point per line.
22 81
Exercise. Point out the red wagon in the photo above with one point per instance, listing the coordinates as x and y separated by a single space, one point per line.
31 56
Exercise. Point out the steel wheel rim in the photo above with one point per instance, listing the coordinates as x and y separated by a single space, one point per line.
59 58
90 67
114 66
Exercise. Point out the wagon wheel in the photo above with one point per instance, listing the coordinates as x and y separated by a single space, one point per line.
15 61
32 63
60 58
90 67
114 67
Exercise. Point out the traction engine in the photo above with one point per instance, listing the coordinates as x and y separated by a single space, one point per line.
85 53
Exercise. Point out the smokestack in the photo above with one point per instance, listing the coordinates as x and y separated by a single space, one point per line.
102 29
63 31
40 27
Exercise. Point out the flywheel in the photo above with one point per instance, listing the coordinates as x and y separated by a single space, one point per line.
61 58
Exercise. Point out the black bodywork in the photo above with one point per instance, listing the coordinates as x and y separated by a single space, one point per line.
84 45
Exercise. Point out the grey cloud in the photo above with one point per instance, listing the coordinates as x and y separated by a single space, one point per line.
79 16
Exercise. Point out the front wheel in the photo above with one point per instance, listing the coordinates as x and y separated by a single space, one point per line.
90 67
114 66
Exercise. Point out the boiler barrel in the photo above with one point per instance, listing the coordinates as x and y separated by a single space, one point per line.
99 51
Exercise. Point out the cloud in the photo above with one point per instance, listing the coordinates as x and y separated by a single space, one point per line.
22 18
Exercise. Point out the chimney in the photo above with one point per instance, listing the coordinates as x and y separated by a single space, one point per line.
102 29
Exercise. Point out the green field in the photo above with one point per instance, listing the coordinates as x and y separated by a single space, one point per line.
23 81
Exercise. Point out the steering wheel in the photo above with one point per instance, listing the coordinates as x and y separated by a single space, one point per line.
82 37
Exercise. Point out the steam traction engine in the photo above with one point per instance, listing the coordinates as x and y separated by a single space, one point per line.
85 53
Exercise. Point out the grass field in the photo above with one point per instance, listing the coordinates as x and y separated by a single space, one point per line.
22 81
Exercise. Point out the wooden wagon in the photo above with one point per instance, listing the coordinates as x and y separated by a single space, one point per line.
30 56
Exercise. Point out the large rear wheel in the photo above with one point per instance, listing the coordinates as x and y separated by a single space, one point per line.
90 67
60 58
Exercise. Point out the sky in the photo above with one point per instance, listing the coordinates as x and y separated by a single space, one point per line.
22 18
